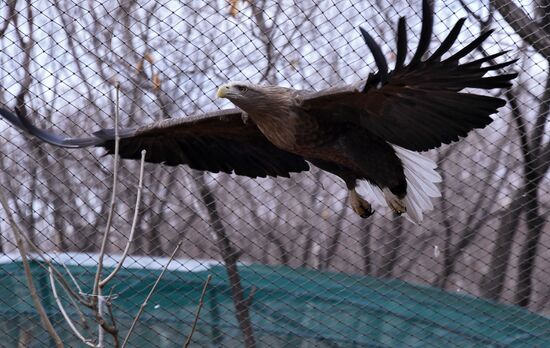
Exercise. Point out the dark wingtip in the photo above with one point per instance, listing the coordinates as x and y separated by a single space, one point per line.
449 41
480 61
513 61
425 32
110 133
379 58
500 65
20 121
12 118
401 44
470 47
512 76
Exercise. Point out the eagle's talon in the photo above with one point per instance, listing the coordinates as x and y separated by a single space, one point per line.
398 213
366 213
397 207
359 205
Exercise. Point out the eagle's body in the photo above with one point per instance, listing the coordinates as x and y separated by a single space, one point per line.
350 152
369 133
339 148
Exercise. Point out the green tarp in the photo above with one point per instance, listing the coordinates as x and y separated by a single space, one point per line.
290 308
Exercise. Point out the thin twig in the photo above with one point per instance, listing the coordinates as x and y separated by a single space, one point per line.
250 297
34 295
73 302
27 43
80 336
95 292
134 224
99 313
58 275
470 12
197 314
72 278
109 304
142 307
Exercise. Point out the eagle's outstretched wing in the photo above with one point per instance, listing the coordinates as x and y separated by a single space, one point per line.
418 105
217 142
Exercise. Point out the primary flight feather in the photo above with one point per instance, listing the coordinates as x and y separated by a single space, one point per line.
368 133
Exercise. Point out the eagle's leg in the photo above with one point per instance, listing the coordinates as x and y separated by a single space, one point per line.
359 204
395 203
377 163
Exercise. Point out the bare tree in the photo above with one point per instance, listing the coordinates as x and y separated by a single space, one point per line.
536 160
484 235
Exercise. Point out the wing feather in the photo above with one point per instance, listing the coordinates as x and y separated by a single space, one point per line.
401 44
379 58
420 105
425 32
217 142
448 42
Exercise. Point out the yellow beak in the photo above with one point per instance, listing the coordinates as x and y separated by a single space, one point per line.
221 91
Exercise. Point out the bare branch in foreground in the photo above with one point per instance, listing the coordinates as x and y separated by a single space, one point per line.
104 282
142 307
96 288
95 301
34 295
80 336
197 314
40 253
72 278
70 297
109 304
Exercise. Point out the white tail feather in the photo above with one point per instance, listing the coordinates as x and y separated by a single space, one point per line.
421 179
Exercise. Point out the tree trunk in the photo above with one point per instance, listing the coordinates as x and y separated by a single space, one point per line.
230 257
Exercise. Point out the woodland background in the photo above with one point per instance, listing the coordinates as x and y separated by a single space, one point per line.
488 235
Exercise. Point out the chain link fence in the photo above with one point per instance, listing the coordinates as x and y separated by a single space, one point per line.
290 263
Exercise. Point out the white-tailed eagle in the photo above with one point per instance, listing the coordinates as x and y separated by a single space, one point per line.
369 133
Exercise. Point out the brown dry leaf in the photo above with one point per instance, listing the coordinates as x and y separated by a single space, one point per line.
156 82
139 67
233 10
148 57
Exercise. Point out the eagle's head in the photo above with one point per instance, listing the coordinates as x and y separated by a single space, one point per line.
236 91
251 97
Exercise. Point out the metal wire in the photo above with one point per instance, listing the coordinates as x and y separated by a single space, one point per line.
486 237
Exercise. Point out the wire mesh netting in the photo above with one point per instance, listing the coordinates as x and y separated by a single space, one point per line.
291 263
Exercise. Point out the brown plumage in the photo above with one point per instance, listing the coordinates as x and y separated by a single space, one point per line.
366 133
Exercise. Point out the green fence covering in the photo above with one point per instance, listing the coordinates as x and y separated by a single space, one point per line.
290 308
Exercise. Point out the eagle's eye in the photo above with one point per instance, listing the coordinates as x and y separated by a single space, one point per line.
242 89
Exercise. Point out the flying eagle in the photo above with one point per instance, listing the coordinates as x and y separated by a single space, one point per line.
369 133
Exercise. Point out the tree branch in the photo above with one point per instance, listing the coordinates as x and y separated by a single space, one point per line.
198 313
524 26
46 323
148 297
104 282
230 257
